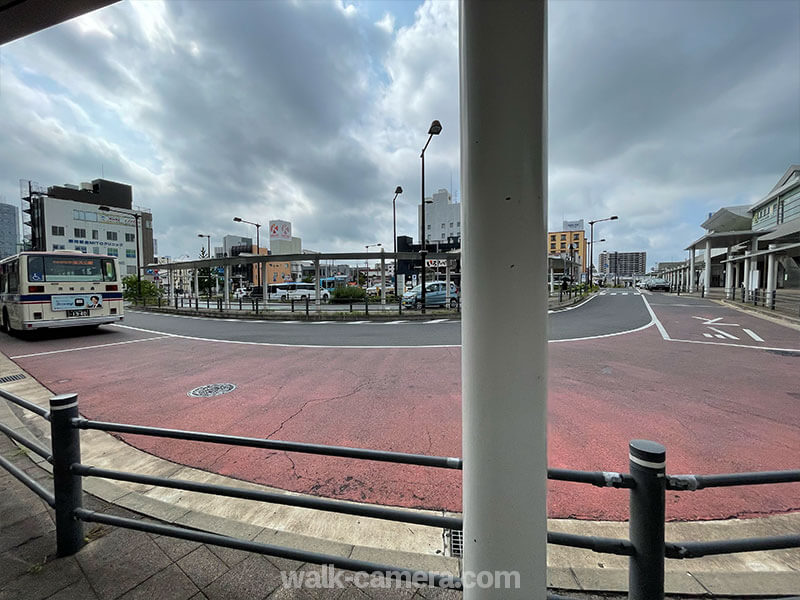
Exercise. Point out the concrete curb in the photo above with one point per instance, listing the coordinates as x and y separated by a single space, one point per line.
747 574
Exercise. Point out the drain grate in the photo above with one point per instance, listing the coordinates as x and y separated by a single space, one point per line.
214 389
9 378
455 539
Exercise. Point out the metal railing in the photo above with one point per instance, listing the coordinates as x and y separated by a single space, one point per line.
647 483
781 301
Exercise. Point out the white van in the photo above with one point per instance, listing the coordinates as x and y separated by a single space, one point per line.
301 291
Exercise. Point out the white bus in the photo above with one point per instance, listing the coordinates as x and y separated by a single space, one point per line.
59 289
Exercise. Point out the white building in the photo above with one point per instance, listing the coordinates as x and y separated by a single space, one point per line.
68 217
442 218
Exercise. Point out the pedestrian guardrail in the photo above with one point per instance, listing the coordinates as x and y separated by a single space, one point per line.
647 484
782 301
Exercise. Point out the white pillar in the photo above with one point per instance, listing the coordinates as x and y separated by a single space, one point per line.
196 283
227 286
383 277
707 274
691 269
504 357
729 287
447 281
746 275
772 283
317 299
552 280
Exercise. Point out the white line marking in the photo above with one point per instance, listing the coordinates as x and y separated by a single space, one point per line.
613 293
722 337
574 306
320 322
392 322
723 333
437 321
708 335
351 322
604 335
753 335
276 345
730 344
161 337
653 316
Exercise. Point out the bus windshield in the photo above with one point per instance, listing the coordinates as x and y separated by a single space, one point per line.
70 268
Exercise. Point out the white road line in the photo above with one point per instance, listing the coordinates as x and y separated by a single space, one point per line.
708 335
613 294
437 321
753 335
574 306
736 345
321 322
276 345
351 322
722 337
161 337
604 335
653 316
725 334
392 322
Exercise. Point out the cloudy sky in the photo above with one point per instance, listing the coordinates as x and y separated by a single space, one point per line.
314 112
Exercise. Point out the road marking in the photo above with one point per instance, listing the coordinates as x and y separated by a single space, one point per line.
708 335
707 321
437 321
723 334
722 337
161 337
653 316
392 322
351 322
321 322
613 293
731 345
753 335
574 306
604 335
277 345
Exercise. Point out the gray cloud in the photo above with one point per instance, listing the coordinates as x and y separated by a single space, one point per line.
659 112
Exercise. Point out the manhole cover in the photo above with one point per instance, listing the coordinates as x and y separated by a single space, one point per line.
214 389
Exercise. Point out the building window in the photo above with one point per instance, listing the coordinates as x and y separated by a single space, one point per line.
552 238
563 245
130 253
576 236
95 234
458 224
111 235
552 246
59 247
563 236
451 225
429 225
80 233
112 252
129 237
95 249
56 230
131 270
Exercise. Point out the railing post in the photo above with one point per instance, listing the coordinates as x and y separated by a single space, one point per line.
366 306
307 298
67 487
292 301
646 571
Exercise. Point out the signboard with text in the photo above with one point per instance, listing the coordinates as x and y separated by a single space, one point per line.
76 301
280 230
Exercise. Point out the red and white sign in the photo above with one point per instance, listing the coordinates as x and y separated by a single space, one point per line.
280 230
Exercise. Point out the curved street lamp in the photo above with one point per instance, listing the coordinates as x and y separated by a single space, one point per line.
258 244
434 129
591 248
397 192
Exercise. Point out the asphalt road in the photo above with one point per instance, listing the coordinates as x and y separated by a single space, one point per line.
602 315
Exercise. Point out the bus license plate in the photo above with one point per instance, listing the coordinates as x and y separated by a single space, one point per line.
78 313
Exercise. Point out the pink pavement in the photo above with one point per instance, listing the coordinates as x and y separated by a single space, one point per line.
715 408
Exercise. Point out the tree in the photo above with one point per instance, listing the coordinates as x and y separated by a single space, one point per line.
204 279
150 291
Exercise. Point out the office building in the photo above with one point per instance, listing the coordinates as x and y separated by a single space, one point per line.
622 264
9 230
68 217
569 243
442 220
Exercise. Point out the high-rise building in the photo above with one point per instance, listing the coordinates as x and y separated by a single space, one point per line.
442 219
68 217
9 230
622 264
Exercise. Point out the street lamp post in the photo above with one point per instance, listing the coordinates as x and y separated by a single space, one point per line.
258 243
591 248
136 217
435 129
397 192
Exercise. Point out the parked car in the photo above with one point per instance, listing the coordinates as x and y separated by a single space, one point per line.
656 284
241 293
435 295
